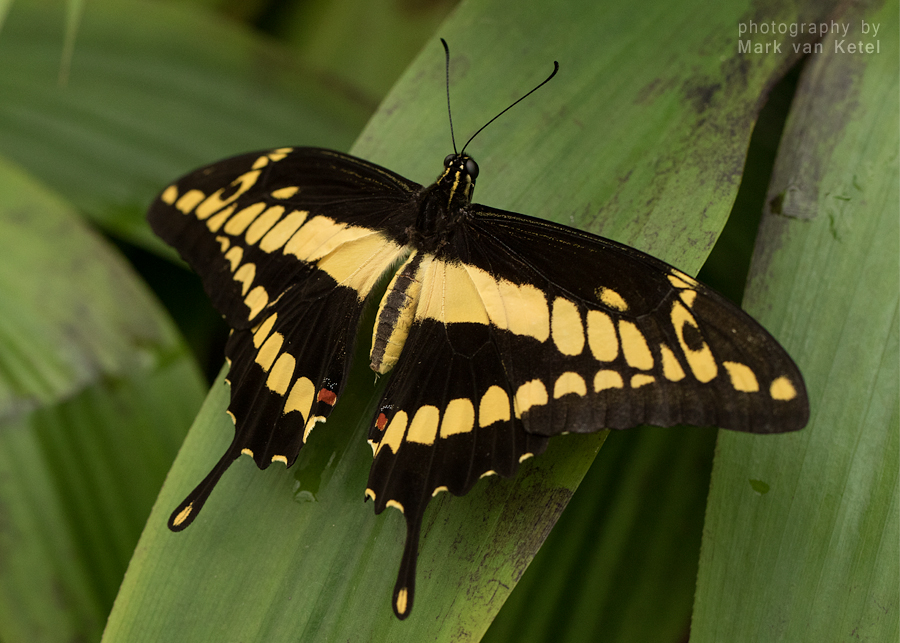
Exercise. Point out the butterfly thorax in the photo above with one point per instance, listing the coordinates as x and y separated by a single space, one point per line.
443 204
442 207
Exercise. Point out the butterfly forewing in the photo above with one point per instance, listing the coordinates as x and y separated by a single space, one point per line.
649 343
289 244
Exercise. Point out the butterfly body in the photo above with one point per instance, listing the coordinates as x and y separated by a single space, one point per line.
499 330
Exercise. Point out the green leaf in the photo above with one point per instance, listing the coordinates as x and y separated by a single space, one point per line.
816 557
386 35
641 137
96 391
149 99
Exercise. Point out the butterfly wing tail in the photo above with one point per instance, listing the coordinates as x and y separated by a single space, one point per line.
190 507
404 589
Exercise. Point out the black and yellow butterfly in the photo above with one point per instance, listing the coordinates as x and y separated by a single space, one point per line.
501 329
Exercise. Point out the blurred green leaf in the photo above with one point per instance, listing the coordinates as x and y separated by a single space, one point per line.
365 43
96 392
816 557
148 99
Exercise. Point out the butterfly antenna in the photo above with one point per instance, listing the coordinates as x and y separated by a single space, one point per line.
547 80
449 111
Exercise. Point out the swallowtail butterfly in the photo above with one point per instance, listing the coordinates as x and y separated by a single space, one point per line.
501 330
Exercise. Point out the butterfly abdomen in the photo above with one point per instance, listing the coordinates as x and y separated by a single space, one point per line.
395 315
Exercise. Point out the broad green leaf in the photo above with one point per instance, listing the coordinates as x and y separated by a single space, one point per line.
801 539
153 91
385 35
641 137
96 392
620 564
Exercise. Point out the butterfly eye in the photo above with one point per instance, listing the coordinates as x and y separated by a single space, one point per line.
472 168
449 159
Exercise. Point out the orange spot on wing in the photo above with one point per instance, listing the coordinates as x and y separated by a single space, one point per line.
329 397
381 422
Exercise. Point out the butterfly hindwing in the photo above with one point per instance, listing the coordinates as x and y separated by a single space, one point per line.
289 244
446 420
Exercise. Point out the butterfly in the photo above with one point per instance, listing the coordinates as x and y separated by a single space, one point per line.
500 330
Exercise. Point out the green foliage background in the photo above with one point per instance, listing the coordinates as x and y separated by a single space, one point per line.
657 133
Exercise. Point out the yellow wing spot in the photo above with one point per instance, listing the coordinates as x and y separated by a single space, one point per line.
688 297
169 195
612 299
424 426
461 301
245 275
263 224
260 163
525 309
782 389
607 379
601 334
285 193
678 283
494 407
686 279
640 379
280 153
229 413
370 494
569 382
359 263
449 295
189 200
183 514
224 244
260 334
671 367
247 452
530 394
310 425
269 351
319 236
437 490
283 230
393 434
634 346
256 301
525 456
219 220
354 257
301 397
403 594
742 378
489 472
239 222
522 310
459 417
280 376
701 360
234 257
215 202
280 458
566 327
397 505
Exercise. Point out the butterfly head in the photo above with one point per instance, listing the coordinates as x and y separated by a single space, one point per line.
458 179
